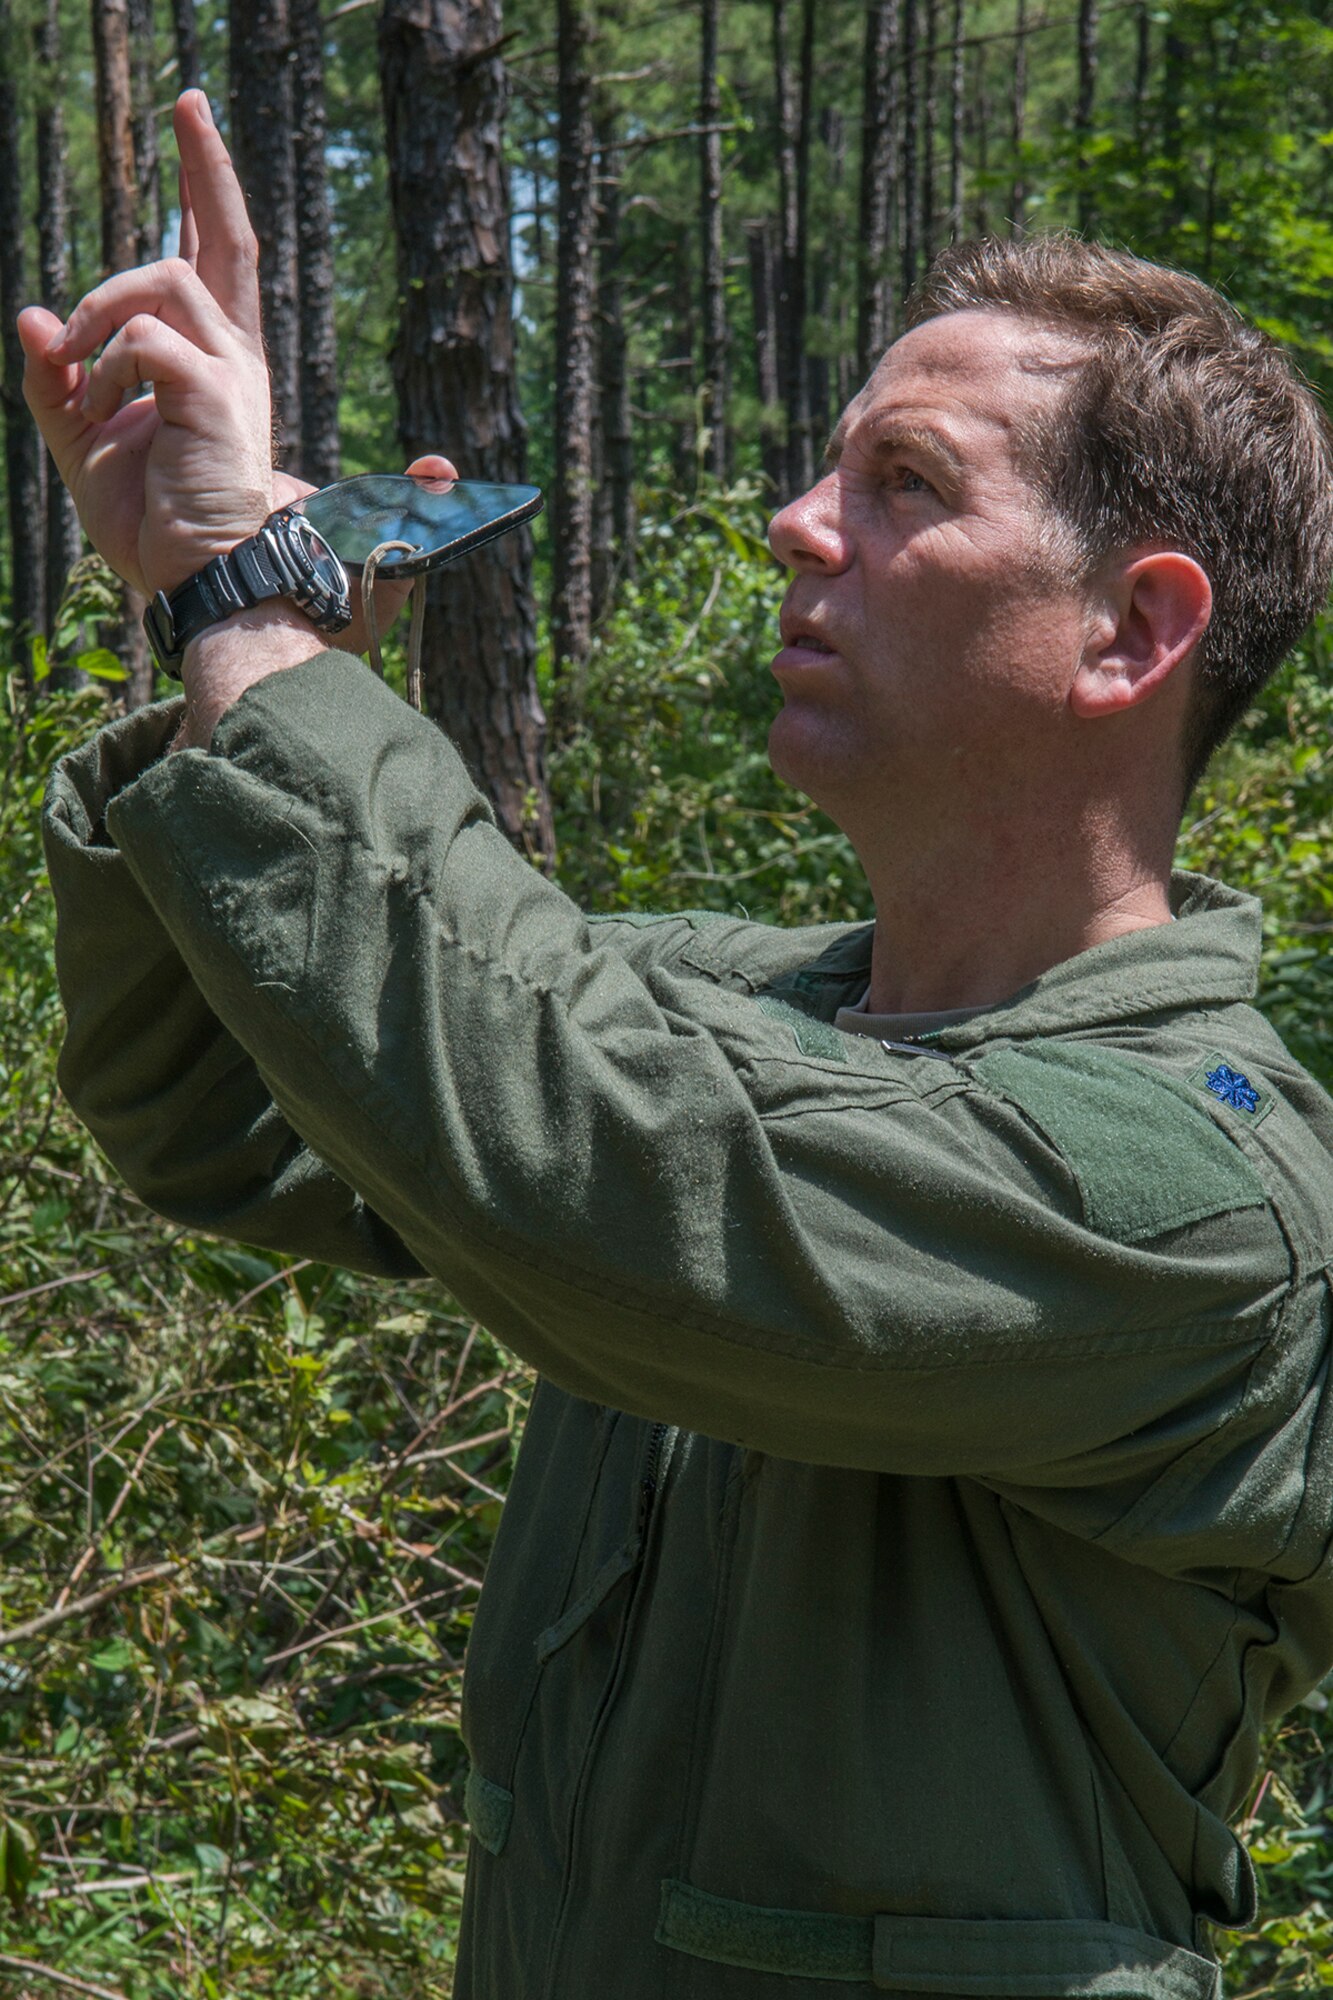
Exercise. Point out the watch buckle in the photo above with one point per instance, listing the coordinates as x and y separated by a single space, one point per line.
160 629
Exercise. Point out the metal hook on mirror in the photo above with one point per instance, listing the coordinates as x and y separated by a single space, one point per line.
418 596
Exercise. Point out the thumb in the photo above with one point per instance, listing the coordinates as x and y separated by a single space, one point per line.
432 466
53 389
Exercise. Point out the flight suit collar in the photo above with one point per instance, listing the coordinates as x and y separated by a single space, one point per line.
1208 958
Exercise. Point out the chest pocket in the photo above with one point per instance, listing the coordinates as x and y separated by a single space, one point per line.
1146 1155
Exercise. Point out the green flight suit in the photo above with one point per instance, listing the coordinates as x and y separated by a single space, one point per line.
929 1492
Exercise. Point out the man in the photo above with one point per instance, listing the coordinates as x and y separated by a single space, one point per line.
929 1490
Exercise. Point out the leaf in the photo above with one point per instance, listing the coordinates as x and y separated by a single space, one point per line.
114 1659
19 1857
101 664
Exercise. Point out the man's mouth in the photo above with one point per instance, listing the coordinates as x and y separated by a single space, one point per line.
800 639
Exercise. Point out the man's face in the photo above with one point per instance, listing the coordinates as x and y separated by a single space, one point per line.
932 624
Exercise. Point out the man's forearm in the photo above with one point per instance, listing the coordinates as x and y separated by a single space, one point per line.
227 659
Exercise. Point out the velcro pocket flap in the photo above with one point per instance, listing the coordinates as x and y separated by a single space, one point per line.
489 1809
988 1958
1146 1154
1092 1961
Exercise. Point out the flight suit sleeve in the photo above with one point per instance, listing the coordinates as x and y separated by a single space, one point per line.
167 1092
594 1155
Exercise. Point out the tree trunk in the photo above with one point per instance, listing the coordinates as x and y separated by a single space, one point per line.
143 91
261 62
713 298
115 135
1142 68
980 126
22 462
1175 58
613 538
1018 193
1087 89
907 170
763 301
794 94
575 343
956 122
443 85
186 37
119 185
801 463
64 537
929 121
320 455
879 186
832 364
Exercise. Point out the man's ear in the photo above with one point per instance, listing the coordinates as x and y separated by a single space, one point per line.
1155 612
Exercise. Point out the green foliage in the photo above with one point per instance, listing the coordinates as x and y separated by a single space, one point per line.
247 1505
1262 820
665 796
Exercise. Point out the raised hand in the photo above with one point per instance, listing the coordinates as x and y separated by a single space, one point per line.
184 473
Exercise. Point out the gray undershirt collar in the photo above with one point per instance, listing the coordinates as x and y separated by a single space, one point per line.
902 1027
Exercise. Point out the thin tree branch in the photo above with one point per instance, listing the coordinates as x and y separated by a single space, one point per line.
34 1970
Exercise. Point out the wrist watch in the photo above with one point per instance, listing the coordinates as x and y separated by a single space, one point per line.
286 558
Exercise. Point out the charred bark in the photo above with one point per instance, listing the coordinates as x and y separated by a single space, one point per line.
713 298
1142 71
613 495
575 342
879 186
907 155
979 122
793 94
763 304
147 169
929 123
261 62
22 462
320 453
1018 193
64 537
957 121
1088 13
117 177
443 86
185 33
119 186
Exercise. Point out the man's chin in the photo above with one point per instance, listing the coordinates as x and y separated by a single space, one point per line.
805 753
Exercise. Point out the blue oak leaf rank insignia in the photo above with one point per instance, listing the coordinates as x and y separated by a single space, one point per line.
1233 1088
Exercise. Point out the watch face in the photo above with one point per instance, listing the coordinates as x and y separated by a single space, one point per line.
324 565
319 583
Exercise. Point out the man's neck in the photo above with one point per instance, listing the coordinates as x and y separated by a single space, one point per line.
968 923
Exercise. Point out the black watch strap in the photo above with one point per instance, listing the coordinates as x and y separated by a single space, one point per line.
255 570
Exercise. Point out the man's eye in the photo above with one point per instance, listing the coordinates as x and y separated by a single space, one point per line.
909 481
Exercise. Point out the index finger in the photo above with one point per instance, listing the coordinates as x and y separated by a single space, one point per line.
227 257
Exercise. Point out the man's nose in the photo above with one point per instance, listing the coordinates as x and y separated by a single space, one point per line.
808 533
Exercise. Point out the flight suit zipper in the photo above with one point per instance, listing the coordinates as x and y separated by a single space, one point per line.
657 1460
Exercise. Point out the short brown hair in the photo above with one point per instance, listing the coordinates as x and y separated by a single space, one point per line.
1186 427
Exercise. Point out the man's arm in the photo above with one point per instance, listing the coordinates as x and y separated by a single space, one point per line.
634 1178
149 1067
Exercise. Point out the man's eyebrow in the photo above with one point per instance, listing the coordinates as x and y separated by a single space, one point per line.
895 436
